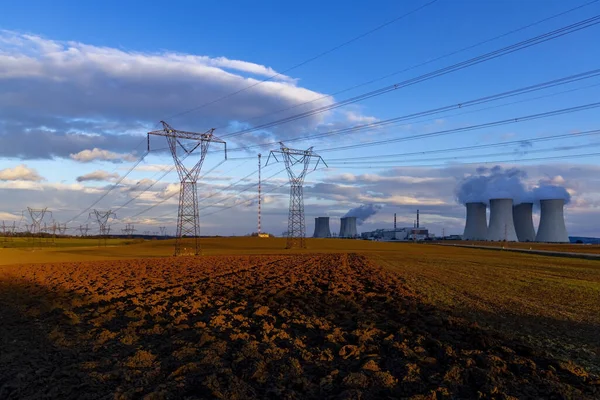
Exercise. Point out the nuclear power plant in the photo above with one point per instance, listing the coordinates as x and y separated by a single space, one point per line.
348 227
322 227
476 226
514 223
552 222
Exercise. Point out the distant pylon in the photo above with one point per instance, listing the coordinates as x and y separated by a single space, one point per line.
102 218
37 217
62 228
188 221
296 232
163 230
129 229
83 229
259 193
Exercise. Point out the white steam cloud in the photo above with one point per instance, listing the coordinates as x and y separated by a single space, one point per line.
499 183
363 212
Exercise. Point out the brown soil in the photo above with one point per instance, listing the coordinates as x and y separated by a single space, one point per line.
300 326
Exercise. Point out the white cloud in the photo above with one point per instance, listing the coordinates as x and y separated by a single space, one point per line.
20 173
61 98
98 175
97 154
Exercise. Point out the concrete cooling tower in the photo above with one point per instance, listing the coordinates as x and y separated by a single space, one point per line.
523 219
476 225
322 227
552 222
348 227
502 226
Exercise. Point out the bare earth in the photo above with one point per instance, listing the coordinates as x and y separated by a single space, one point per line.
282 326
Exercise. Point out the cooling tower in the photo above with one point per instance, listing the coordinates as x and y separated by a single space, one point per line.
502 226
552 222
348 227
522 217
476 225
342 227
322 227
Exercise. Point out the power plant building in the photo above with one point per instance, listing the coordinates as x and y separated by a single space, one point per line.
552 227
523 220
322 227
502 226
476 224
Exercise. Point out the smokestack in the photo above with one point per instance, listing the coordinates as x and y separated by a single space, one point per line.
322 227
522 217
417 218
502 226
476 225
394 221
552 227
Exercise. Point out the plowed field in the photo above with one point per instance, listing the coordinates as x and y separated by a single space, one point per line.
281 327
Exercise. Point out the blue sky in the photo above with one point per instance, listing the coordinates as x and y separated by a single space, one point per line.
279 35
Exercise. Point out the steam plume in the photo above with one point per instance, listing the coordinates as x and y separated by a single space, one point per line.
498 183
362 213
493 183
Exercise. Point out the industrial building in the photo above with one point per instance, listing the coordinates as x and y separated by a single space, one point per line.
414 233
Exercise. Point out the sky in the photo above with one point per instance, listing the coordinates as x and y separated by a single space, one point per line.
82 83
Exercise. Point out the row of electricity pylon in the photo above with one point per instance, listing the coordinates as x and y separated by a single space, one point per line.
182 144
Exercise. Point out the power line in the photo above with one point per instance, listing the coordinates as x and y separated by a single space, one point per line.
589 22
462 105
478 162
172 195
446 55
530 117
375 159
322 54
476 147
110 189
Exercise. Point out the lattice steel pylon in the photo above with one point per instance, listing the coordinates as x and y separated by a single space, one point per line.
188 221
128 231
37 216
296 233
102 217
83 229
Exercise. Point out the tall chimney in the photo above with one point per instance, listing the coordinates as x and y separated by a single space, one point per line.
394 221
417 218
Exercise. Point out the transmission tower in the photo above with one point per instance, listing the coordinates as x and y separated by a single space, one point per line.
163 230
37 217
188 221
102 217
4 232
62 228
259 194
129 229
83 229
296 232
